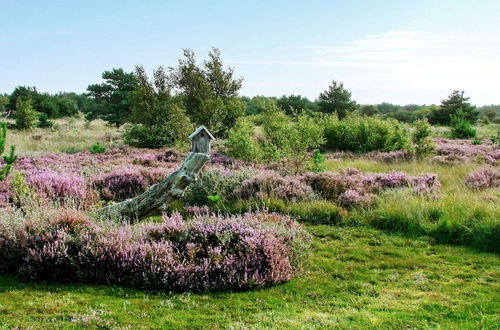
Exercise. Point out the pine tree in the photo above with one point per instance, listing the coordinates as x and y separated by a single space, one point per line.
25 115
449 107
336 99
11 157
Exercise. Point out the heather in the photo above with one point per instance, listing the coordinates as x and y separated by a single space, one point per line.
483 178
206 253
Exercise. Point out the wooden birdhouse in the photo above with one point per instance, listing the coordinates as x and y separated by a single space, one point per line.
200 140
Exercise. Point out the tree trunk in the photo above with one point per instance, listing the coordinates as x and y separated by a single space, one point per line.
152 201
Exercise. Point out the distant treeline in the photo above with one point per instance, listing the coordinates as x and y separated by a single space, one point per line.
404 113
207 93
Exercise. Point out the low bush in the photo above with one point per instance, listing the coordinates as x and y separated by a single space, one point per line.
205 254
97 148
461 128
363 134
282 140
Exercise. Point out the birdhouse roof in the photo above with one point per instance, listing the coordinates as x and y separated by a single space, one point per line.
198 130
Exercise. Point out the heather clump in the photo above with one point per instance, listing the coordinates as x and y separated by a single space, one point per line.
485 177
453 152
119 184
270 183
57 186
352 188
204 254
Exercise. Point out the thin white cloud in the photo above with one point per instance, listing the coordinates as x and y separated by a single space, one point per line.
411 60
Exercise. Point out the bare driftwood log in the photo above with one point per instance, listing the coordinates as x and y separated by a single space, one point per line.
152 201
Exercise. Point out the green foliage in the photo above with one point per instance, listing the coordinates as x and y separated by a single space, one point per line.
97 148
8 159
43 121
449 107
283 139
486 120
4 102
318 161
295 104
54 106
241 143
25 115
112 99
209 92
157 118
362 134
336 99
461 127
422 144
368 110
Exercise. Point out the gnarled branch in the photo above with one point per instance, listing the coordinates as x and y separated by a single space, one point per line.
159 195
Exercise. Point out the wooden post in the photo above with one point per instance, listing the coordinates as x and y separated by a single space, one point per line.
158 196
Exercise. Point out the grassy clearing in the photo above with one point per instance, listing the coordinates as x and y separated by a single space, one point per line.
483 130
459 216
70 135
355 278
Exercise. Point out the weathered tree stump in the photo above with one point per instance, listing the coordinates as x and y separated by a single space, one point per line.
160 195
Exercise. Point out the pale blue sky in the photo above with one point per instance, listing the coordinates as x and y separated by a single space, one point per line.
395 51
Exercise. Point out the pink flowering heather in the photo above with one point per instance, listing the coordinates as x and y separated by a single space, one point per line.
56 186
4 192
454 152
391 156
353 198
119 184
273 184
351 186
207 253
485 177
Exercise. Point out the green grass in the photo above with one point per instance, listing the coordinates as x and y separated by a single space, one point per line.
71 135
356 278
458 216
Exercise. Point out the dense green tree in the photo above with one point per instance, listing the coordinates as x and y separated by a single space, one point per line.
209 91
25 115
4 102
336 99
368 110
256 104
449 107
158 119
113 97
54 106
295 104
23 93
385 107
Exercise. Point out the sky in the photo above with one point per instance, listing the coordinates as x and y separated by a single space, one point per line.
404 51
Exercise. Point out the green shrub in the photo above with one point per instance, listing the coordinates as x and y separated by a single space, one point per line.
8 159
318 161
97 148
460 127
422 144
43 121
25 115
283 140
362 134
241 143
